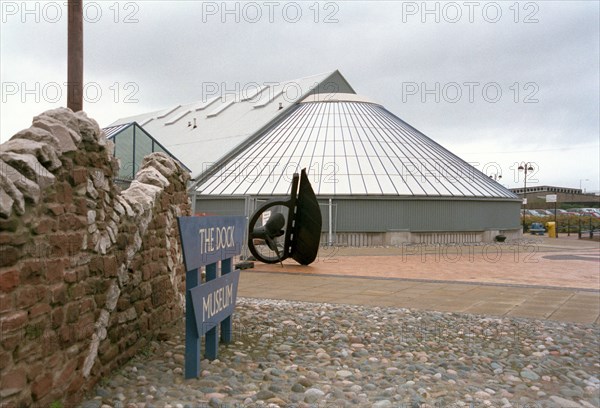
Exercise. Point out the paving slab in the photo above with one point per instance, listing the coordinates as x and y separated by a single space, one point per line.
477 299
531 312
576 315
549 263
494 309
547 279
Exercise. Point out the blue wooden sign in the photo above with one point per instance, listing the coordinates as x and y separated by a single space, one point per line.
205 242
214 301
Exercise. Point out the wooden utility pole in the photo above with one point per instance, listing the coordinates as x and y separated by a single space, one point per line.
75 56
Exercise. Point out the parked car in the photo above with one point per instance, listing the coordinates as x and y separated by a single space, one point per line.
534 213
544 213
593 212
563 212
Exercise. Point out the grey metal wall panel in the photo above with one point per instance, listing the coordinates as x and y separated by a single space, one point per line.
380 215
222 206
425 215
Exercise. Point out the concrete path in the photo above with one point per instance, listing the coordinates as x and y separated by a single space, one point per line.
563 285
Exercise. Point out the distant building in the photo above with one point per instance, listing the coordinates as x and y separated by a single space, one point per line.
379 180
536 196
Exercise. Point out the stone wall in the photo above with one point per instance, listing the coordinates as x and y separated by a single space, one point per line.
88 274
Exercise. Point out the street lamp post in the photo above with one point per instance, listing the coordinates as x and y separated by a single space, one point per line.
580 180
525 167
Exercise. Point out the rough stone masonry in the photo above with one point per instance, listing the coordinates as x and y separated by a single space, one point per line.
88 274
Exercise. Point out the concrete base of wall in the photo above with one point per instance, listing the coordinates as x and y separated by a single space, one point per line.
396 238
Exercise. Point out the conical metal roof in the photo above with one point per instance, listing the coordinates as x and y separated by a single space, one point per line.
350 147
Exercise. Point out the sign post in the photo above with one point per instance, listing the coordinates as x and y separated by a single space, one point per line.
206 241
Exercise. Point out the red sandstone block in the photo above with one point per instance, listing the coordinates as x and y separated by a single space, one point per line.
79 175
65 245
5 359
83 273
25 297
72 312
13 382
64 193
75 385
32 270
15 378
58 317
78 290
41 386
29 295
87 305
139 308
13 321
52 344
123 303
85 327
54 270
55 209
81 207
146 272
100 300
109 354
66 335
96 264
70 276
39 309
42 293
149 305
110 266
67 372
33 370
159 269
58 294
19 238
74 241
9 255
56 360
58 245
6 302
51 397
71 222
10 340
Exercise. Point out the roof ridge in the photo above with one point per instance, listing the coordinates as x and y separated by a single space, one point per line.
323 74
169 108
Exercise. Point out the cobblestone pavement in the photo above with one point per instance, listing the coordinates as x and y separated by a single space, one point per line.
295 354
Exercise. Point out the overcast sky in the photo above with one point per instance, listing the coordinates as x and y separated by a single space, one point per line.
496 83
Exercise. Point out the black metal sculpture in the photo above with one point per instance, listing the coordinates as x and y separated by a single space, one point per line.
275 239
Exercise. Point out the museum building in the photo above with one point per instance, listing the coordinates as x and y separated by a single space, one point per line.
379 181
